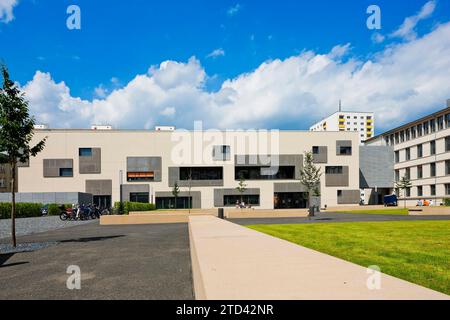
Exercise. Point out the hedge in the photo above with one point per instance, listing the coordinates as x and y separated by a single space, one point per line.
23 210
447 202
128 207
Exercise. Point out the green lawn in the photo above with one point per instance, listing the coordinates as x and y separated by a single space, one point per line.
380 211
416 251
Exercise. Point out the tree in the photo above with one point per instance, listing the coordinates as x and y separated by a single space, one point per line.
176 193
242 187
404 184
15 135
310 178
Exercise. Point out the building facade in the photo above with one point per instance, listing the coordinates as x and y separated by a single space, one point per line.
421 153
144 166
362 123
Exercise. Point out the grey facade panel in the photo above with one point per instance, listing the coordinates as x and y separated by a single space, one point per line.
271 160
376 165
322 156
220 193
146 164
174 177
99 187
127 189
338 180
196 197
343 143
49 197
52 167
91 164
349 197
289 188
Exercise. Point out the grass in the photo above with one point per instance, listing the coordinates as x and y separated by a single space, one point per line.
416 251
379 211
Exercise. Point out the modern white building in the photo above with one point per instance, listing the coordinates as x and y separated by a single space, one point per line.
362 123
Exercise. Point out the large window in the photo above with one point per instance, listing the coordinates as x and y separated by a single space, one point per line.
265 173
141 197
334 170
201 173
232 200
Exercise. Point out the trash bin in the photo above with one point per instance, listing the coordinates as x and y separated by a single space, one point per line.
221 214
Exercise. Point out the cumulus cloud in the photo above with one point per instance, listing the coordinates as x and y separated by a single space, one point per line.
232 11
6 10
216 53
398 83
407 29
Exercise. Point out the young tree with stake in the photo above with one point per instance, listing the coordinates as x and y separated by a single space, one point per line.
16 133
310 178
404 184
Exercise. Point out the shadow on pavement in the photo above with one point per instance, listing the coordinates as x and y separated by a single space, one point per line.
90 239
6 257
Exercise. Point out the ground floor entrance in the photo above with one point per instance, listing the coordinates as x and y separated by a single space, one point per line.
164 203
291 200
102 201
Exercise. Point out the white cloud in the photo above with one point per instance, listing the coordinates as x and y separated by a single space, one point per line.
216 53
406 30
377 37
100 92
6 10
398 83
232 11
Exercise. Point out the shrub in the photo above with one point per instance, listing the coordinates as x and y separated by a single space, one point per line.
128 207
447 202
23 210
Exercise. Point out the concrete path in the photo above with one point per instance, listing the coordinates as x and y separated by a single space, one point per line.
232 262
328 217
149 262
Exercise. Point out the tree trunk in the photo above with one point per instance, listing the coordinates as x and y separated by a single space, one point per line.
311 210
13 204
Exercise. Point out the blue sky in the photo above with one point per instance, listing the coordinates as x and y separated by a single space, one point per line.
68 70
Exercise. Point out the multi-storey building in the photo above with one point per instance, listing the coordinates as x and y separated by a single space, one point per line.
361 122
422 153
144 166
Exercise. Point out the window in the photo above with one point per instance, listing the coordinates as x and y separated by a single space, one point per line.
447 120
408 134
447 167
447 144
2 183
440 123
408 173
140 176
419 172
334 170
433 125
408 154
408 192
140 197
339 193
397 176
426 128
432 169
419 130
66 172
433 147
447 189
433 190
397 138
419 151
419 191
221 153
316 150
397 157
402 136
413 132
345 151
391 139
265 173
201 173
85 152
231 200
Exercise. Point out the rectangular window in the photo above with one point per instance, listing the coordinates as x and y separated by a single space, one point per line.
221 153
432 125
447 189
408 134
316 150
408 173
419 130
432 169
339 193
402 136
334 170
140 176
408 154
447 167
397 176
265 173
419 191
426 128
140 197
413 132
419 172
447 144
433 147
397 157
408 192
66 172
201 173
345 151
85 152
419 151
397 138
2 183
433 189
447 120
232 200
440 123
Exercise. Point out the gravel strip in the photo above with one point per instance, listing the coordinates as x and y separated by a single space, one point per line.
26 226
25 247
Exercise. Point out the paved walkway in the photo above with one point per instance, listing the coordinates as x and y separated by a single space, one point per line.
328 217
233 262
116 262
